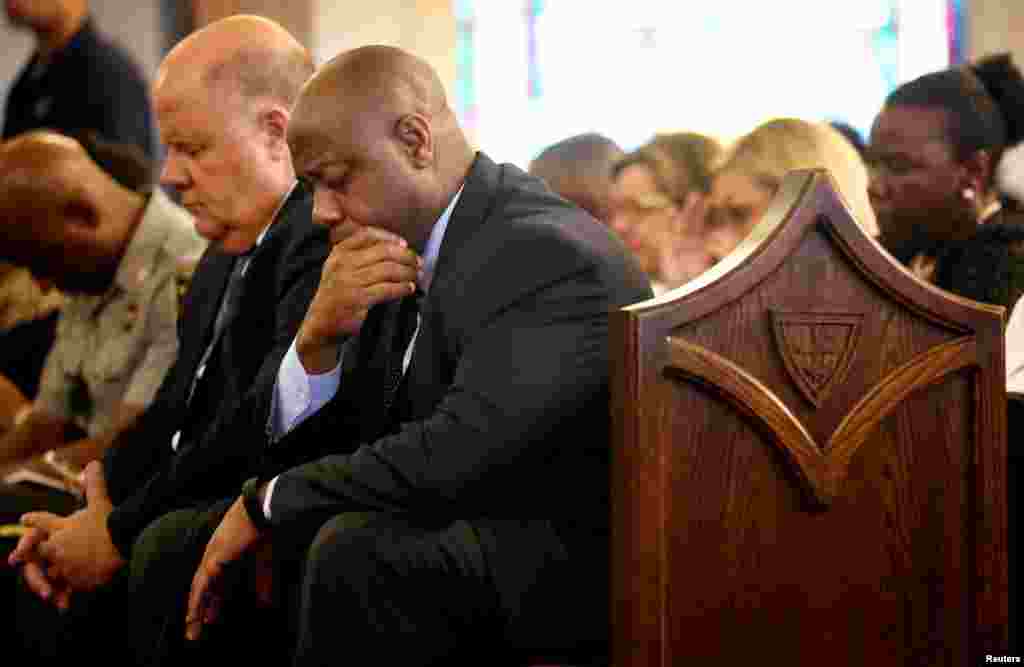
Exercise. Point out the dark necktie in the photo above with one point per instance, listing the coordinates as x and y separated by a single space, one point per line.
406 322
229 308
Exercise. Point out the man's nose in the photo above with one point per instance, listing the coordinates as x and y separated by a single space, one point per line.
718 243
173 173
327 209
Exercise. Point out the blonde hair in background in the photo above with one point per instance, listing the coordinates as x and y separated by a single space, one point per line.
779 146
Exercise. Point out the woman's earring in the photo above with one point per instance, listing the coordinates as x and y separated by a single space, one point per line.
967 194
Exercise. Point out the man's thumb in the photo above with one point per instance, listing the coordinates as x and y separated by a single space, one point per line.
95 484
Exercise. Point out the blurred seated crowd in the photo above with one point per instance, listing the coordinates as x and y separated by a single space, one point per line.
97 259
930 182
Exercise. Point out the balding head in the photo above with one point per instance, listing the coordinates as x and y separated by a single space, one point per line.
381 77
223 100
60 213
380 115
245 57
39 168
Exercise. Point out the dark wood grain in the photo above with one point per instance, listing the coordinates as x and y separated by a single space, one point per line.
865 524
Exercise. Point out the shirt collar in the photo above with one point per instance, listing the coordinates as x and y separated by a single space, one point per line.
136 265
433 247
273 218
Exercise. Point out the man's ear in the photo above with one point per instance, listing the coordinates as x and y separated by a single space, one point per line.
80 220
414 135
274 123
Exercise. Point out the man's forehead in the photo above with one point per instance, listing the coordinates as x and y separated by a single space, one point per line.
316 136
178 83
311 154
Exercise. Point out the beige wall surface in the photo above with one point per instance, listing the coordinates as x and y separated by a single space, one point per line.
994 26
424 27
295 15
327 27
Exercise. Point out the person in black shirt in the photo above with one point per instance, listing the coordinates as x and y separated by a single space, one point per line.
76 80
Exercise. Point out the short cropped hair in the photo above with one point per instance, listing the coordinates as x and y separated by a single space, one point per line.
579 169
257 72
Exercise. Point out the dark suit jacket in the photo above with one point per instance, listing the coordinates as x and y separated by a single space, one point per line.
989 266
506 406
222 442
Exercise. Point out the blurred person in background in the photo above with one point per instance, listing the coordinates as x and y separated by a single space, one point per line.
657 201
580 169
22 298
934 150
752 171
76 80
28 322
89 220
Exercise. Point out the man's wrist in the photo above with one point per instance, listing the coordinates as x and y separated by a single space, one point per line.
317 357
253 492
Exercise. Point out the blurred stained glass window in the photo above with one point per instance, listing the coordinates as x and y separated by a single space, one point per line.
531 72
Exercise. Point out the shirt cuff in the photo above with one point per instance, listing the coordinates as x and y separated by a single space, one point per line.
298 395
266 497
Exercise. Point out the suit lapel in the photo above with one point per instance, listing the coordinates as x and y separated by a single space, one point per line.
474 206
211 279
291 208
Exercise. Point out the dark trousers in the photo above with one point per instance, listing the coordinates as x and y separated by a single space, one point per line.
164 560
15 500
92 629
123 622
382 589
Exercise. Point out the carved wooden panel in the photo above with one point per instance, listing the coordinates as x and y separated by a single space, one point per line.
810 458
817 348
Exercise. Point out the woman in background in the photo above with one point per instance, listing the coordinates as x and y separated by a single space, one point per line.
752 171
655 191
935 149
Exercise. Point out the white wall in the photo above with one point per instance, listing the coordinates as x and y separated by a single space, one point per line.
135 24
425 27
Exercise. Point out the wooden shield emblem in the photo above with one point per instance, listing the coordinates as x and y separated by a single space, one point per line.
817 349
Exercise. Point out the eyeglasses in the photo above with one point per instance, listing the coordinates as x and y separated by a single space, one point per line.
650 202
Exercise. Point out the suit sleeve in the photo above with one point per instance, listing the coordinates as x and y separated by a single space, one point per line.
534 356
237 434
